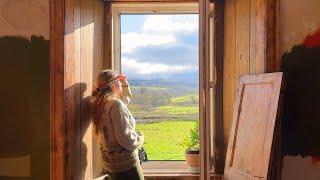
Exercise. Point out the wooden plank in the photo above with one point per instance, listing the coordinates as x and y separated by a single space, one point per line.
242 38
229 66
252 131
277 36
57 125
173 177
86 68
78 94
258 35
212 80
70 91
107 63
204 99
273 36
98 19
218 37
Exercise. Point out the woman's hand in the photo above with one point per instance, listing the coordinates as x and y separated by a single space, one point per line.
121 77
141 136
139 133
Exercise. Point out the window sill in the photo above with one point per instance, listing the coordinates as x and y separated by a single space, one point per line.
167 169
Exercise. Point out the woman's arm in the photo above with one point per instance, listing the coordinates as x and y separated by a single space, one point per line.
126 95
124 132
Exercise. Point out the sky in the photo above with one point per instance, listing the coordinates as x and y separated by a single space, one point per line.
160 46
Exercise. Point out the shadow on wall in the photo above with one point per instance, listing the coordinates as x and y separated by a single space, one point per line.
77 125
24 104
301 116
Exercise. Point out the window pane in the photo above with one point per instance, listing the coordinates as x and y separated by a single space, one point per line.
159 55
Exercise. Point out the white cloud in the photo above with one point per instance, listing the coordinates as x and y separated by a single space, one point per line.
170 24
131 41
132 66
158 30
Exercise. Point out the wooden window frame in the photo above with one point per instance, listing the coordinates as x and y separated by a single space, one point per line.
152 167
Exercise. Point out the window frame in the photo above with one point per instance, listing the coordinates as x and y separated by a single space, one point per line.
157 166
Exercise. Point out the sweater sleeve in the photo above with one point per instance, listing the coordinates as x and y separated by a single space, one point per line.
124 131
126 95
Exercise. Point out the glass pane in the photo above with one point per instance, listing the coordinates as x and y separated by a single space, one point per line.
159 55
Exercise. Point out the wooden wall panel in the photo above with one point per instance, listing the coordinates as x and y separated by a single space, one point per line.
250 46
108 36
229 66
242 38
70 92
86 68
257 37
84 36
57 123
98 64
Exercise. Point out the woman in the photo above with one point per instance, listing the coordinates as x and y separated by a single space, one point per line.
115 127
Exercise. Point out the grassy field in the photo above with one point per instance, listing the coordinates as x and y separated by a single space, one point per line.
178 110
161 139
164 115
185 98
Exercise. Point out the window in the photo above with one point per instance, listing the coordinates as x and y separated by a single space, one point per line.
162 67
159 55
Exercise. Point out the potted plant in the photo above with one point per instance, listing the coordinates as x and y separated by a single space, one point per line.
191 145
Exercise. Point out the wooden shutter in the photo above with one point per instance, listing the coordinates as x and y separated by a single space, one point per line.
251 136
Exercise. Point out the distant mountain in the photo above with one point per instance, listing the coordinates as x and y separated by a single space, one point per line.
162 82
182 76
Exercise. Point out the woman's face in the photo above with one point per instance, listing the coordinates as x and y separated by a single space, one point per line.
116 87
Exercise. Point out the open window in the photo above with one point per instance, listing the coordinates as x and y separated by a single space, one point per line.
156 46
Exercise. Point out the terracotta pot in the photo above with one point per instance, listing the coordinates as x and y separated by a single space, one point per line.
192 160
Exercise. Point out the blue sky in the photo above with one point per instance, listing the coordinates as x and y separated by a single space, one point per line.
159 46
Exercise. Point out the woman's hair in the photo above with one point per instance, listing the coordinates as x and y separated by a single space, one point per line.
102 88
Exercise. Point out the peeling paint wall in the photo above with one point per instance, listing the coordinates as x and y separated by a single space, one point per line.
24 74
298 20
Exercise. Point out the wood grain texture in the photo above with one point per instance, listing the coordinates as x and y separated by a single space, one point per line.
98 57
218 143
273 36
174 177
204 90
254 118
229 66
57 124
70 93
84 56
108 36
251 46
242 38
87 69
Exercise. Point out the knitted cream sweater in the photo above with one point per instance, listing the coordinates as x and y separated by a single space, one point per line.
117 137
